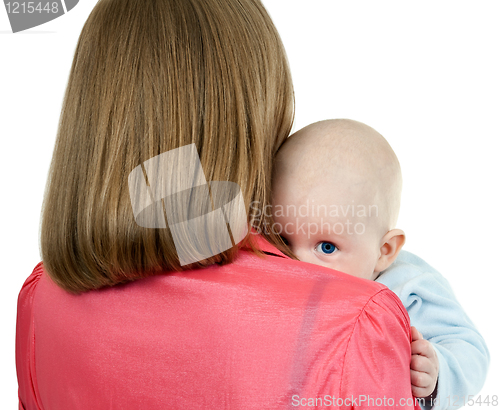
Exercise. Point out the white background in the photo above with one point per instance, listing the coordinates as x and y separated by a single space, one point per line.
425 75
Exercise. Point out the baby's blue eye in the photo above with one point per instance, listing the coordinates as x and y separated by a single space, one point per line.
326 248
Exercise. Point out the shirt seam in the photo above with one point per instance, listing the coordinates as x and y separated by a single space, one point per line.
352 332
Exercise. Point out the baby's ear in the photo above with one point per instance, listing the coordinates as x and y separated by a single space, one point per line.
391 244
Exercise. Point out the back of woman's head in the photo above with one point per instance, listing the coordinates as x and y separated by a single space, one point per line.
149 76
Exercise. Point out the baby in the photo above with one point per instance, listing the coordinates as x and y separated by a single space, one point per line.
336 197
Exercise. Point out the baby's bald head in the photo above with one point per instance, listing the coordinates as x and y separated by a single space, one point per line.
342 161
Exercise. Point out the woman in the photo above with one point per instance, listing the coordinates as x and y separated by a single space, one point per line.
112 319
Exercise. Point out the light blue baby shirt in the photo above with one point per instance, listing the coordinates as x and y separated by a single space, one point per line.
436 313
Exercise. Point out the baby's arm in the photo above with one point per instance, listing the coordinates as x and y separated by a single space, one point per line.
433 309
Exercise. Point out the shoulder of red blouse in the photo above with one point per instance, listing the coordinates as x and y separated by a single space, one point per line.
256 333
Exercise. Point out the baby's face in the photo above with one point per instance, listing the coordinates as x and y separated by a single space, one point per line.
328 230
336 189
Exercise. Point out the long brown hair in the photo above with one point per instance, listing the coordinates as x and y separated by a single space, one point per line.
149 76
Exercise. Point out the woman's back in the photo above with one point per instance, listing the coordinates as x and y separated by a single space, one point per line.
257 333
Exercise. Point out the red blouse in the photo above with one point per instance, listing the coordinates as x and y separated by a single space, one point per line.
260 333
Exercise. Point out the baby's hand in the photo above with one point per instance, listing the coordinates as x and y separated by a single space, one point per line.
424 365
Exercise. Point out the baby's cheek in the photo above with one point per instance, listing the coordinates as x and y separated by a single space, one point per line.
362 268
